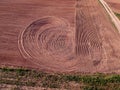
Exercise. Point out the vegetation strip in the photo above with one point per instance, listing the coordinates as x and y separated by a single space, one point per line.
25 77
117 14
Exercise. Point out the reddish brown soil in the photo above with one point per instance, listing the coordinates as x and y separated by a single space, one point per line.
114 4
58 35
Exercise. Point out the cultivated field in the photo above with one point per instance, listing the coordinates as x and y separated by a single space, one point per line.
58 36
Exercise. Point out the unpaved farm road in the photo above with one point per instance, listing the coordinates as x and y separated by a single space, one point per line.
115 20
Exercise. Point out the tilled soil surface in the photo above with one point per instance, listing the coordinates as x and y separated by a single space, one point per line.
58 36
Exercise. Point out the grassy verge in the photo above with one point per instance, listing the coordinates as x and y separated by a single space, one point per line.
25 77
117 14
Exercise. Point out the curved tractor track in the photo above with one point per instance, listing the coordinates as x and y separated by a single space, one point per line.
47 40
53 45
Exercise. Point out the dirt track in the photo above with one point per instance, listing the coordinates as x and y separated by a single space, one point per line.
114 5
77 36
115 20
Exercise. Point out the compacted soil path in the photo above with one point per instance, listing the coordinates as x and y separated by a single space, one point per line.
114 18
